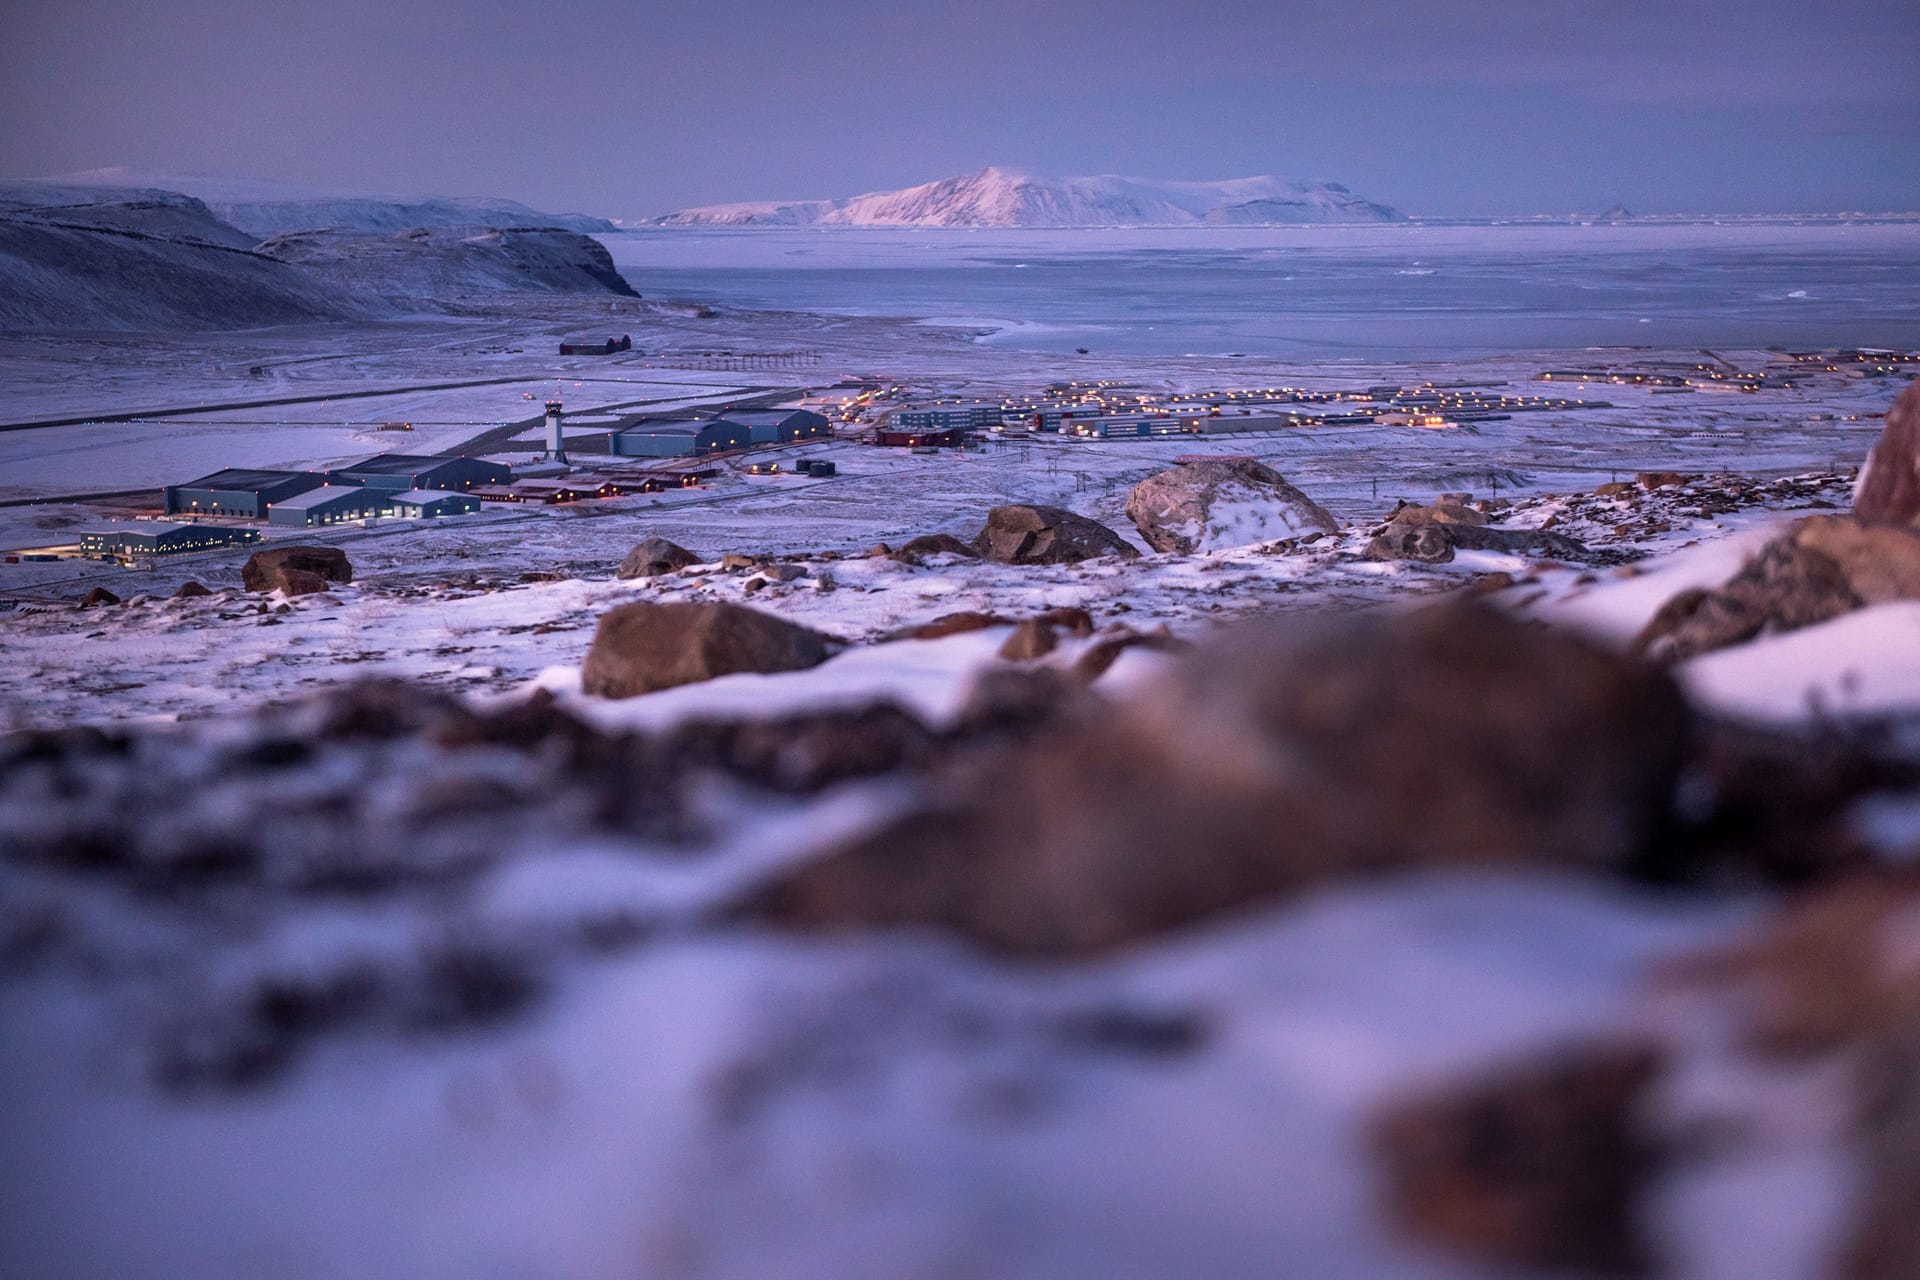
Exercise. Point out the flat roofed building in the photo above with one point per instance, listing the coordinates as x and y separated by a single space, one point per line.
778 426
163 539
238 491
921 439
670 438
977 415
329 504
549 491
430 504
401 472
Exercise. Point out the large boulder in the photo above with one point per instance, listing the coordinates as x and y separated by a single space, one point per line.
639 648
1281 754
1818 569
654 557
1888 489
290 581
1208 506
261 571
1021 534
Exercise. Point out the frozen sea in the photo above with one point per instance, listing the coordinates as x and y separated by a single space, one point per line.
1366 292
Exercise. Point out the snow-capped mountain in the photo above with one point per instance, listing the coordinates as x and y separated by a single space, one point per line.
1011 198
265 209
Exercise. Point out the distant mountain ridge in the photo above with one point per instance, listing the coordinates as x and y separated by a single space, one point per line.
263 209
996 197
83 257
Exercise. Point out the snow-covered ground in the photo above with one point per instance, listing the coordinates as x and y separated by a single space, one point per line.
675 1094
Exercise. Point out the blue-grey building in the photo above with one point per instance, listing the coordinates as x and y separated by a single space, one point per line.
400 472
162 539
329 504
238 492
1121 426
430 504
673 438
977 415
779 426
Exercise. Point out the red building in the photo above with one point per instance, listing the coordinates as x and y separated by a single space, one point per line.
951 439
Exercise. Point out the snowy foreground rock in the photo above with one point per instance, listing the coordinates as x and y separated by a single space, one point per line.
1209 506
1394 944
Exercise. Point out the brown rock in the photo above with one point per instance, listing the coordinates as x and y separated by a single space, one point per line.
190 589
297 582
1544 1165
654 557
1021 534
1069 618
949 624
1879 562
1784 587
801 754
1660 479
259 572
99 596
934 544
1030 640
1174 509
1284 753
1100 656
1888 490
1423 541
639 648
1412 513
1415 533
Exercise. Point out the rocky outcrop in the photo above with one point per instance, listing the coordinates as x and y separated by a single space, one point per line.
1207 506
1888 490
189 590
1542 1165
1819 569
654 557
1432 538
98 596
1281 754
1021 534
640 648
262 569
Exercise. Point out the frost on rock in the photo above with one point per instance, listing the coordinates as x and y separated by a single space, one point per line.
1211 506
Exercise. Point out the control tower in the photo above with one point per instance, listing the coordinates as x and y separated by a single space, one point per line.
556 447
